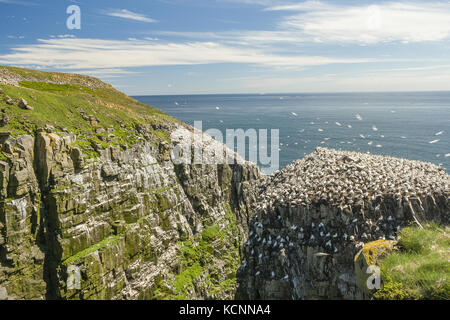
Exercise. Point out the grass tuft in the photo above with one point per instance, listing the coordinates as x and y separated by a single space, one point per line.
421 268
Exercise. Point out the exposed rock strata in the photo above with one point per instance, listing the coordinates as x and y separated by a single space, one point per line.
119 220
10 77
317 213
118 210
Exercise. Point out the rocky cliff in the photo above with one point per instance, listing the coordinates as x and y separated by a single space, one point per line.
317 213
95 204
92 207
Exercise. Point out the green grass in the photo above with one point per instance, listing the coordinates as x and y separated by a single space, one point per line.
55 88
57 99
210 233
58 104
421 268
163 190
163 135
38 75
98 246
3 157
61 188
198 257
185 279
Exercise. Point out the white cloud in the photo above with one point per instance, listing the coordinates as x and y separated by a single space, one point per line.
77 53
385 82
20 3
322 22
126 14
258 2
424 68
368 24
63 36
302 6
249 38
105 73
284 47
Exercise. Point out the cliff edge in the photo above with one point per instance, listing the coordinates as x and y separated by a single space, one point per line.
92 206
315 215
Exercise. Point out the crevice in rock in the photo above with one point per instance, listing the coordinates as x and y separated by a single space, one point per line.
49 224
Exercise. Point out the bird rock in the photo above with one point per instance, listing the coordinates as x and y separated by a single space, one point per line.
338 200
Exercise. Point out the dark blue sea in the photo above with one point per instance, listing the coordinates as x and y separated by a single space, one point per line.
408 125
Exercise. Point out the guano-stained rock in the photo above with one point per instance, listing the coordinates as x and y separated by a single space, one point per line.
314 216
120 222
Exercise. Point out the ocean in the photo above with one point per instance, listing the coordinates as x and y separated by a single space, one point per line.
411 125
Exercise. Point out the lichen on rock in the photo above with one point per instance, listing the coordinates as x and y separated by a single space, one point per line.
94 205
103 200
369 256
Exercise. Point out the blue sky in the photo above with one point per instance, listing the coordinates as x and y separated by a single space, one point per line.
235 46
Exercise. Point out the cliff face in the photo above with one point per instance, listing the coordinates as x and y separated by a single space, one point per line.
317 213
111 219
95 204
124 220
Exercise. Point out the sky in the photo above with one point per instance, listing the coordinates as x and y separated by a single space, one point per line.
235 46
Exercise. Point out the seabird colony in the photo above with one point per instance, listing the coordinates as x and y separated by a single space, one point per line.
326 206
352 181
331 198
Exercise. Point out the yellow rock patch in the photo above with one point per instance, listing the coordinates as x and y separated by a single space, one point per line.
373 250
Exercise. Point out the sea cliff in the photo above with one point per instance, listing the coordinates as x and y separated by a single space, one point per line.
93 205
88 189
315 215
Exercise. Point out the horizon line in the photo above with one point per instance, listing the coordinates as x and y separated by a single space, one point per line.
285 93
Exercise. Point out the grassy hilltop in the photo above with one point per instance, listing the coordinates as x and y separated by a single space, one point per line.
80 104
135 224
